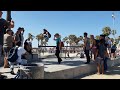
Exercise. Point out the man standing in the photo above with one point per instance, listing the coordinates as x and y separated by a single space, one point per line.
3 26
86 47
7 45
58 46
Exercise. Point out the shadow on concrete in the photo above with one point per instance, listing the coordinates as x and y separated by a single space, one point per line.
113 71
66 63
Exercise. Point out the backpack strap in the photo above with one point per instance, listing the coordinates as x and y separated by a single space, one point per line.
15 50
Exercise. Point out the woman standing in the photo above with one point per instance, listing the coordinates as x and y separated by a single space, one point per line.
93 45
58 46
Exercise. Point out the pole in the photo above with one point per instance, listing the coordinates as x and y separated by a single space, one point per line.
8 17
113 30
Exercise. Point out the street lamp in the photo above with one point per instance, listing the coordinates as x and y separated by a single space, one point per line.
113 30
8 17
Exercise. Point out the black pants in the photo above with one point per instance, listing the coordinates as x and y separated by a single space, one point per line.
57 54
105 63
87 55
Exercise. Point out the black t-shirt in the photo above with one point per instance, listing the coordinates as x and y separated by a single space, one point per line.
3 27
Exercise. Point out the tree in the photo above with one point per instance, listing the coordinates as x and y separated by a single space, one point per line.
65 39
119 38
30 36
72 38
38 38
97 37
106 31
113 32
78 39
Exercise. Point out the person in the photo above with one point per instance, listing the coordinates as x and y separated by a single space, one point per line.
102 37
113 52
46 35
3 26
28 46
109 43
13 39
93 46
21 35
21 51
86 47
7 45
100 56
58 48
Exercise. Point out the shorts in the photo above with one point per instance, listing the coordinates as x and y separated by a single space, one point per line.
6 51
113 50
99 61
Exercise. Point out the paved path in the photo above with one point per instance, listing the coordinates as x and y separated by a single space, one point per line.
112 73
6 72
51 64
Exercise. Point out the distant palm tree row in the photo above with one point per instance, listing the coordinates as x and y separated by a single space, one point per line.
108 31
39 37
73 39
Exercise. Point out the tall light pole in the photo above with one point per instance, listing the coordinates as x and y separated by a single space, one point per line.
113 29
8 17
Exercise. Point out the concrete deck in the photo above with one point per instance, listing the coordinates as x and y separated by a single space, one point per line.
68 69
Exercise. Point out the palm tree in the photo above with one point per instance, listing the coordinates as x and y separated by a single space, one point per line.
113 32
97 37
119 38
38 38
30 36
72 38
106 31
78 39
41 38
65 39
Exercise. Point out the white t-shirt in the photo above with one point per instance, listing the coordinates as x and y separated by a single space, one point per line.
20 52
110 43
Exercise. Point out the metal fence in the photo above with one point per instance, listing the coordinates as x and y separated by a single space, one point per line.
50 51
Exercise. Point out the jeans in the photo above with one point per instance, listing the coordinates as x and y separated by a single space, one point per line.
57 54
105 63
87 55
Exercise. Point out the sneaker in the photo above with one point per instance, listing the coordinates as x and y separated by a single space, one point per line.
87 63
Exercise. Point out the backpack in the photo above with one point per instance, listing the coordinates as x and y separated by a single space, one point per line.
62 44
13 56
49 35
114 47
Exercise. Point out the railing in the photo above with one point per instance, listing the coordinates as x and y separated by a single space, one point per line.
66 50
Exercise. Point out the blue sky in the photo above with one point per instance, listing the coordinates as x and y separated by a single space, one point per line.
64 22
